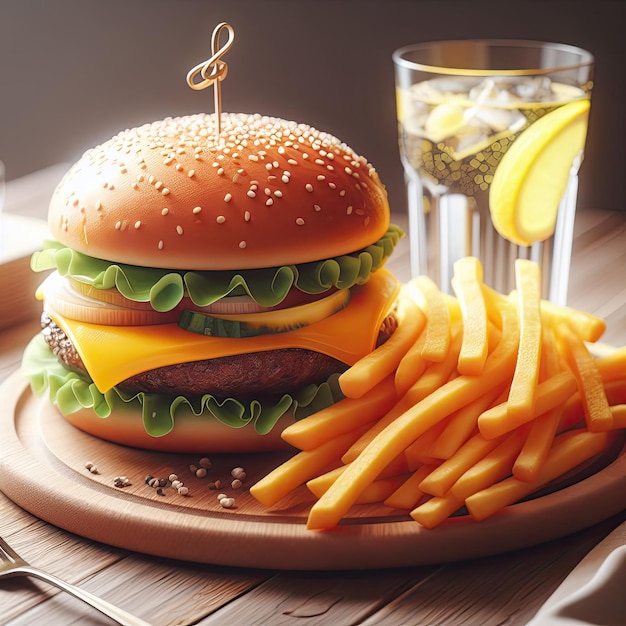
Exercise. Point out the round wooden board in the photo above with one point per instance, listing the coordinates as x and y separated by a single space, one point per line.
42 469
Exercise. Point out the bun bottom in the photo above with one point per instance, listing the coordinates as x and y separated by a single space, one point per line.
190 435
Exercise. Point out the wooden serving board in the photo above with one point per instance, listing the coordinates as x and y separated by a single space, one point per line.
42 469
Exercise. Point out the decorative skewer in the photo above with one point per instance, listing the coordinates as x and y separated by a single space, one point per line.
213 71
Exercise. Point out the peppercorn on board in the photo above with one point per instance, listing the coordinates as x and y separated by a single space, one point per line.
127 498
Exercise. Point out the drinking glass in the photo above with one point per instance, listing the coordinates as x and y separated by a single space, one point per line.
491 137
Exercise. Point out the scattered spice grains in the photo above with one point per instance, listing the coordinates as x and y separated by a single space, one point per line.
91 467
173 481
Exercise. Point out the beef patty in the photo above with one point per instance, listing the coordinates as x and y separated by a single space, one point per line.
265 373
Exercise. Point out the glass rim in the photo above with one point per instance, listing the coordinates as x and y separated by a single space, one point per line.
586 58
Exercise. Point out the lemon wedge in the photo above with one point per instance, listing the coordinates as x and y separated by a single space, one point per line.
532 176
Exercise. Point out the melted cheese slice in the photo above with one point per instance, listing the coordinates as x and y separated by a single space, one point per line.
112 354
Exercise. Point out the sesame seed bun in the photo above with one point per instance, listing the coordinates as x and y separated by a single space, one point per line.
268 192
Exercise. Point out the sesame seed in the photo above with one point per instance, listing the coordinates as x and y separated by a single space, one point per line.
292 162
246 216
160 245
269 202
220 219
278 193
268 191
268 166
285 178
251 193
242 244
253 157
299 221
190 173
134 185
348 171
319 161
228 197
151 179
165 211
158 185
309 187
179 229
281 150
140 178
118 225
137 223
179 167
321 177
332 185
317 207
305 155
220 171
197 210
165 191
342 193
349 210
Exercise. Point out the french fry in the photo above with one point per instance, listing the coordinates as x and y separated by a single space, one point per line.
321 483
521 402
569 450
332 506
536 448
301 467
595 403
434 511
375 428
587 326
462 423
420 452
411 366
494 466
573 411
612 366
618 411
408 494
550 393
437 329
437 374
441 479
467 285
382 362
341 417
544 427
376 491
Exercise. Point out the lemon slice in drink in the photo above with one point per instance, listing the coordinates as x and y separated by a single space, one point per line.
532 176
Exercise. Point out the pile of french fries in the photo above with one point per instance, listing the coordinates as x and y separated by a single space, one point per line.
477 400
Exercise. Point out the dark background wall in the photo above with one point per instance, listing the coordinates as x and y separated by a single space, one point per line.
74 72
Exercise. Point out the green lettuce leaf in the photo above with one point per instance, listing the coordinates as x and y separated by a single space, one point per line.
164 288
73 391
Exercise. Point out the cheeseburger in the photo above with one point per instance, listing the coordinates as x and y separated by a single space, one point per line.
204 291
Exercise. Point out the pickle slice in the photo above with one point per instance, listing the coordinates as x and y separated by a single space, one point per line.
266 322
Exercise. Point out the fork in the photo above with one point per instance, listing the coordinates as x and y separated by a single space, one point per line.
12 564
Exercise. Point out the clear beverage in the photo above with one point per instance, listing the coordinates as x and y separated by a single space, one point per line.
455 126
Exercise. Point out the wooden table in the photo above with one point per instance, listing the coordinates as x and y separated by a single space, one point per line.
507 588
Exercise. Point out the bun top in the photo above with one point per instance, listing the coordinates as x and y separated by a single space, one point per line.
170 195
